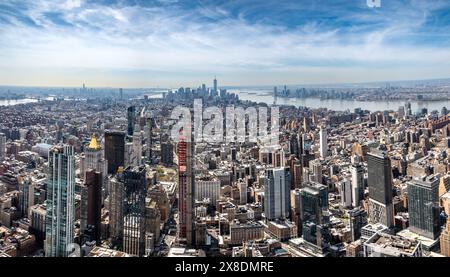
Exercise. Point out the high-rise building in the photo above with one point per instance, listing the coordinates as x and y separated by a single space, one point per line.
131 117
26 196
2 146
357 184
314 214
186 190
207 189
114 150
137 148
323 142
242 186
445 240
94 202
167 153
215 85
277 198
116 203
149 137
346 193
381 209
60 186
93 158
358 219
316 168
423 206
135 184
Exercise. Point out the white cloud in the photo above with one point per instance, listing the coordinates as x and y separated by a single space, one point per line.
172 41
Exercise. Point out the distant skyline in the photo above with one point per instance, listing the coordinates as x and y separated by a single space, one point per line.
170 43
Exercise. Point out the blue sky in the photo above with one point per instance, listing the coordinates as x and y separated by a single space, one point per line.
170 43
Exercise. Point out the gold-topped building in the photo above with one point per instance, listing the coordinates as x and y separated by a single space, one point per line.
93 143
93 158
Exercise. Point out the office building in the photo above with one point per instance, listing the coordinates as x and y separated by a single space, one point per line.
167 154
357 184
114 150
381 209
116 206
131 118
135 186
93 158
207 189
423 206
346 193
60 184
186 191
358 219
93 186
2 146
277 198
323 142
314 214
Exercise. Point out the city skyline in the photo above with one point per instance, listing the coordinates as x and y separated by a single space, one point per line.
174 43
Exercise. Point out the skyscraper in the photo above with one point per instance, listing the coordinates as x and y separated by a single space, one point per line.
2 146
60 185
186 190
135 184
358 219
323 142
277 198
94 202
114 150
346 193
93 158
116 203
423 206
131 117
26 196
215 85
357 184
149 129
379 180
167 153
314 214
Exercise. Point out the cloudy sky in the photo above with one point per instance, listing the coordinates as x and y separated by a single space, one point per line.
171 43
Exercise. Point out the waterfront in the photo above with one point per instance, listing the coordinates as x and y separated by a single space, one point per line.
260 96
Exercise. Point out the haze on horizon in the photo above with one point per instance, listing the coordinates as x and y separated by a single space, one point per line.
170 43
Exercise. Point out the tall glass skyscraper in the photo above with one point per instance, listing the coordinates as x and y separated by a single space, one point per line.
314 214
114 150
60 185
277 197
423 206
135 184
131 116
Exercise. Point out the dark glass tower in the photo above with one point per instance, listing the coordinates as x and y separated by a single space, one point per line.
314 214
135 184
114 150
380 188
423 206
131 116
94 202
